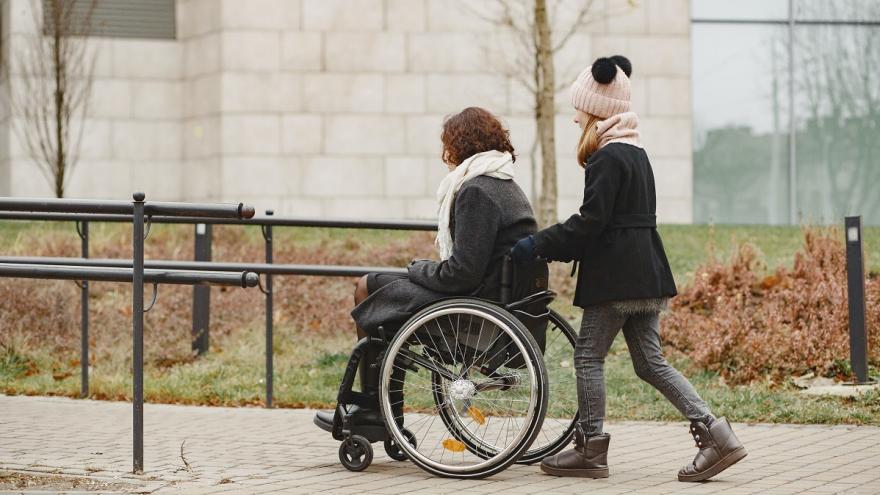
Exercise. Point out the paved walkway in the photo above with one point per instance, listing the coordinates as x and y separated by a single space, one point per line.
250 450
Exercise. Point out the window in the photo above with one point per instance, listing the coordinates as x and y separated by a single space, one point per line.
786 110
121 18
740 124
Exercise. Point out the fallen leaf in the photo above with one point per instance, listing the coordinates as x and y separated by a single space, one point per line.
477 415
453 445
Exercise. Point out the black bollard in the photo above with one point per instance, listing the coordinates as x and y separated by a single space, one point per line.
855 275
201 305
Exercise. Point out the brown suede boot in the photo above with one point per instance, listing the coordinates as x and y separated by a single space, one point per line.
719 449
588 459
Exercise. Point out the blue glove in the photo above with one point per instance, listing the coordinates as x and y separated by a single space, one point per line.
524 250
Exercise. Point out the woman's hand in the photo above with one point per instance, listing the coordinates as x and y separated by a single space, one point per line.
524 250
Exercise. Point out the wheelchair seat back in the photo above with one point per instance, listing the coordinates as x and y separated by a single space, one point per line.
529 282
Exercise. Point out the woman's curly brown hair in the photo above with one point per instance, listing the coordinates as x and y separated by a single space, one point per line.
471 131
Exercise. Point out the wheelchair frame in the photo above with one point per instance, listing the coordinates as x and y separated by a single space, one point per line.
355 451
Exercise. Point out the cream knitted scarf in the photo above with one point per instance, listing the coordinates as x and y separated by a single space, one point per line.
491 163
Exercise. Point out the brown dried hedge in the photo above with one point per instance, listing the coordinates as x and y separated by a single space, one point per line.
736 319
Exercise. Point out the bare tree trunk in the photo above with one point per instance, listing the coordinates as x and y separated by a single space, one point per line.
545 110
533 151
57 40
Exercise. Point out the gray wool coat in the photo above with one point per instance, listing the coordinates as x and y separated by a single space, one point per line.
488 217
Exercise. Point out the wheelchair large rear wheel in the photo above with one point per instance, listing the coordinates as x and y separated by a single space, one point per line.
475 388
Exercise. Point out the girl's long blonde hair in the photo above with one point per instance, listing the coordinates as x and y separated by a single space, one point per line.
589 142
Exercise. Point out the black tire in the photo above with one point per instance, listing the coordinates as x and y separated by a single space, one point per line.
562 438
534 364
355 453
394 451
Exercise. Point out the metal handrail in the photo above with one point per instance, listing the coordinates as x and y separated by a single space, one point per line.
105 273
137 212
141 214
261 268
126 208
280 221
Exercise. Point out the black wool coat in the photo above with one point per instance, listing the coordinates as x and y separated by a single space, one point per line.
613 236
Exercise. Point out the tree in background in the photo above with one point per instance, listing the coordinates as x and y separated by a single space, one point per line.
837 91
51 94
539 32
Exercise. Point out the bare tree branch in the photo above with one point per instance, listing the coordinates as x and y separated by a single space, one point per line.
580 17
56 73
531 25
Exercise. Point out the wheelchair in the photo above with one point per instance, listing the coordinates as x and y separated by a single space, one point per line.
465 385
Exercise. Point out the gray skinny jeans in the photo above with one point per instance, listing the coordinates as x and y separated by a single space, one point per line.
599 326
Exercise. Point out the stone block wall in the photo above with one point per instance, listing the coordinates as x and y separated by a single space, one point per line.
334 107
5 176
132 137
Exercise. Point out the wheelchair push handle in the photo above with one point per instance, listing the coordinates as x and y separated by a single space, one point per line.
506 279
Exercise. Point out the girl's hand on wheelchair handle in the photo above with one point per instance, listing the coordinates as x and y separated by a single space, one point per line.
524 250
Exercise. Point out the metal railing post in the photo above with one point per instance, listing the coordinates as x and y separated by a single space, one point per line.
855 278
270 317
82 229
201 310
137 312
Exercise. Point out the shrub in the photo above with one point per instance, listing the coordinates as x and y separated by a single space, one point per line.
738 320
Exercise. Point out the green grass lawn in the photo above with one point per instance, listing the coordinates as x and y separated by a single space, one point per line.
308 368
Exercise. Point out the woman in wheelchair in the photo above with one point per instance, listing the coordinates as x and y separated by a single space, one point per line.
482 213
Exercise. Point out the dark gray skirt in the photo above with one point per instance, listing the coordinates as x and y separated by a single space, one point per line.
393 299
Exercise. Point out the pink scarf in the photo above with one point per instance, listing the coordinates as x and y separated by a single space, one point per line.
620 128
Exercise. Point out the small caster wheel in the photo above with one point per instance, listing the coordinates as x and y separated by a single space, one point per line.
355 453
394 451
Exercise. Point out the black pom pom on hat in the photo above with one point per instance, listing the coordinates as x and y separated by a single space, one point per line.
623 63
604 69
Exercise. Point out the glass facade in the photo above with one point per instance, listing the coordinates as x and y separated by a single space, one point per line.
786 111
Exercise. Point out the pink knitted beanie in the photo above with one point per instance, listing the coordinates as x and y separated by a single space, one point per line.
603 88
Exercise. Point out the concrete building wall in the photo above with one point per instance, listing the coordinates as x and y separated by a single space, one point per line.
132 134
4 102
334 107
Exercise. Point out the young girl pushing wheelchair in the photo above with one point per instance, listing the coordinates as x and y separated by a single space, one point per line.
624 280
